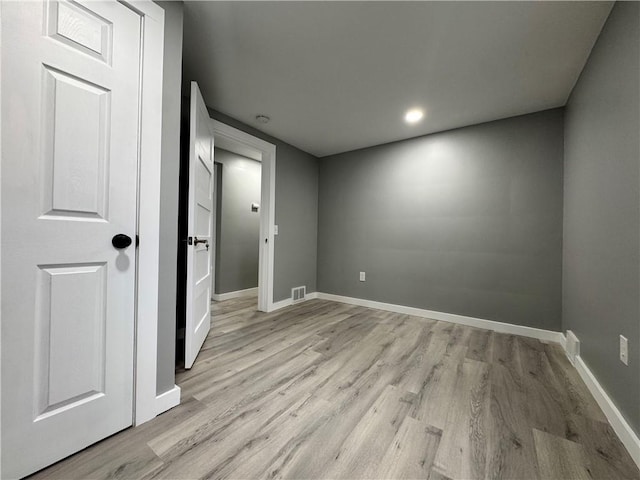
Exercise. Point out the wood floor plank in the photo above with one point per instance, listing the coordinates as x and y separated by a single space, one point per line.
505 352
123 461
269 329
437 390
510 447
310 460
362 451
559 458
279 443
260 378
411 452
359 362
547 407
419 361
213 421
212 452
576 396
436 475
480 346
463 449
340 334
255 353
124 455
607 457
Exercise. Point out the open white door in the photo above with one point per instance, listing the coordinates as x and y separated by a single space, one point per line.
200 227
70 88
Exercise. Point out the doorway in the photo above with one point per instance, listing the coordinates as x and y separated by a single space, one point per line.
237 225
250 147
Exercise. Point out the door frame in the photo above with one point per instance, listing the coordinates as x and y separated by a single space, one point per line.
267 206
146 403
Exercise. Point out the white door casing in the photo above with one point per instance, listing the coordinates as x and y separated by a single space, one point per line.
69 177
267 206
200 227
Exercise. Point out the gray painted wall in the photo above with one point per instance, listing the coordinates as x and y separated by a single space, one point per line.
296 213
170 166
602 209
467 221
238 228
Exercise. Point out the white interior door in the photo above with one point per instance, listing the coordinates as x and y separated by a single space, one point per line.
200 227
70 92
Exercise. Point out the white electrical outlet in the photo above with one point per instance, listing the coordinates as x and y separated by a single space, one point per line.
624 350
275 229
362 276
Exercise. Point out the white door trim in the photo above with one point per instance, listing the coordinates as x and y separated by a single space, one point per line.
267 207
146 330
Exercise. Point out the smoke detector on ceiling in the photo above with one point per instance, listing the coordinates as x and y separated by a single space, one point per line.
262 119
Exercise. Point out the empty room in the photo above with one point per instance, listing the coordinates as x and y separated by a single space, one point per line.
319 240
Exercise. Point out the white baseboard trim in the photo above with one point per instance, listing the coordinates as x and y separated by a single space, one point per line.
288 301
281 304
619 424
219 297
167 400
563 341
540 334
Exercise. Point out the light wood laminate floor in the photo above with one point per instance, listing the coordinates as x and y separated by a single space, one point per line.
326 390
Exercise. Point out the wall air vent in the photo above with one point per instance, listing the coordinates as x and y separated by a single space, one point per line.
298 294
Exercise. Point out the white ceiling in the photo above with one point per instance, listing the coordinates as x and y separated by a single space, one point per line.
338 76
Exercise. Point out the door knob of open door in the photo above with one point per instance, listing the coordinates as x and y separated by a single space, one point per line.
197 240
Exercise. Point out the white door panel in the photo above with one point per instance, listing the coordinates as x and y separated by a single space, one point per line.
201 218
69 177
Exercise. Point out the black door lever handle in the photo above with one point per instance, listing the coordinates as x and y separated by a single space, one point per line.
197 240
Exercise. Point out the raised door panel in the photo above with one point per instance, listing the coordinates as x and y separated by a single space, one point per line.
202 267
201 312
80 28
70 336
76 146
204 200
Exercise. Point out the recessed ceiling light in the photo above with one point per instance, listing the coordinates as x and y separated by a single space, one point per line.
262 119
413 116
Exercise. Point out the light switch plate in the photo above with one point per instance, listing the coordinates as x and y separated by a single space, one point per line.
275 229
624 350
362 276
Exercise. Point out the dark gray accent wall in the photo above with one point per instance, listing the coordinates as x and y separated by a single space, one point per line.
467 221
170 167
601 297
238 229
296 213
